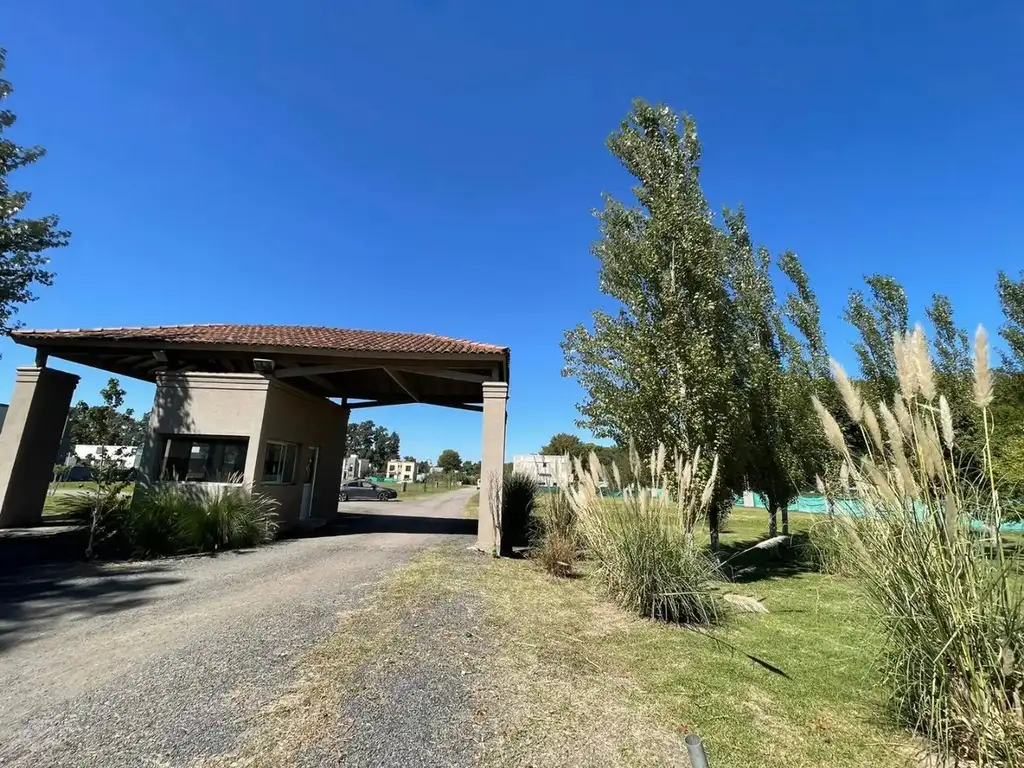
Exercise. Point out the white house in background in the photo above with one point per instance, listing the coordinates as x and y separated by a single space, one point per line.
436 470
128 456
549 471
354 468
402 471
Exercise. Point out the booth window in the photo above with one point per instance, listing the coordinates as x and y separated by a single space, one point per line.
198 459
279 462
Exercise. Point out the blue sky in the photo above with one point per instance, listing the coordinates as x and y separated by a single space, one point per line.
363 165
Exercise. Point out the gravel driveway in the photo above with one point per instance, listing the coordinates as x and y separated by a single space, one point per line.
157 663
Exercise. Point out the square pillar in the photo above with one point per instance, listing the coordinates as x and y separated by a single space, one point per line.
346 414
30 441
492 466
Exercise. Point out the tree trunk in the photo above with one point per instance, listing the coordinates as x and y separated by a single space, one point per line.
713 527
785 520
773 520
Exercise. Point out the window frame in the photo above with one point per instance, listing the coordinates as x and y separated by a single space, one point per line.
212 441
282 477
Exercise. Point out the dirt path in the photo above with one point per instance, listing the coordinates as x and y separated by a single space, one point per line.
164 663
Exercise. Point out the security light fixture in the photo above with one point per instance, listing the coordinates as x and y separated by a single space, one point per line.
160 356
262 365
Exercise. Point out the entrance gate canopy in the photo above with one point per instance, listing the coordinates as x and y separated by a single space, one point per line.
375 367
265 384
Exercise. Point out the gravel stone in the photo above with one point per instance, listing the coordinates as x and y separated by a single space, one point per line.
161 663
420 711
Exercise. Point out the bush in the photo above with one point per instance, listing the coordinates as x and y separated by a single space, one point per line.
200 518
175 518
642 544
518 496
822 549
104 511
554 535
947 598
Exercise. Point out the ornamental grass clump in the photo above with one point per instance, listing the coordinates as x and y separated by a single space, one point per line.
642 544
927 549
186 517
555 535
518 499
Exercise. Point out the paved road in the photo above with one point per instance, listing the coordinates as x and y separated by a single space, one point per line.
154 663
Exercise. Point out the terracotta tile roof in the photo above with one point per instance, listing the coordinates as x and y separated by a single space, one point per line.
297 336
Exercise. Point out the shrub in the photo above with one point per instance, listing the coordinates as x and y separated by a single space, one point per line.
556 552
104 511
928 551
169 518
555 514
519 494
643 545
209 518
822 548
554 535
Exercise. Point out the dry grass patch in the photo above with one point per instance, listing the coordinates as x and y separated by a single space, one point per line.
311 712
583 678
472 508
567 678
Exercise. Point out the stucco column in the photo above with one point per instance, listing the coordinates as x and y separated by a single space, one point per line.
30 441
492 466
346 413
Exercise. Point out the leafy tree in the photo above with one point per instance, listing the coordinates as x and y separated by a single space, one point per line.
372 442
1011 299
661 368
385 448
359 439
954 370
449 460
563 444
776 372
408 458
23 241
878 319
137 430
109 427
106 424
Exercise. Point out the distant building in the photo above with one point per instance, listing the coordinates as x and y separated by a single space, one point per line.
435 470
549 471
128 456
402 471
354 468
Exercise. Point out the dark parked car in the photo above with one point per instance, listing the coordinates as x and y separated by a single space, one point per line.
364 489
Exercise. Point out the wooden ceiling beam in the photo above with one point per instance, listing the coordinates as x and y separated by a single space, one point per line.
401 380
441 373
314 370
378 403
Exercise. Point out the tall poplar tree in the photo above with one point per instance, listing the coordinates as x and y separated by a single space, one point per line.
660 368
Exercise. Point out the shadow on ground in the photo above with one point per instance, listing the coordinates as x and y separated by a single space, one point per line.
743 564
362 522
40 596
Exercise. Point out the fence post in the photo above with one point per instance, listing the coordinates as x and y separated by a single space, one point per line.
695 748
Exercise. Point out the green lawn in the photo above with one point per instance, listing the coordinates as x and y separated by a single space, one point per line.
417 490
563 677
86 485
793 687
61 496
